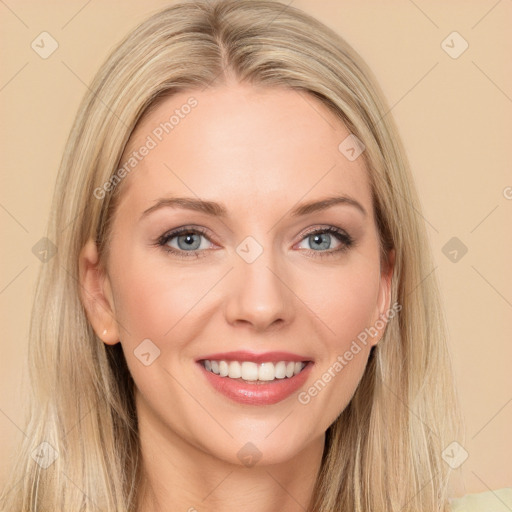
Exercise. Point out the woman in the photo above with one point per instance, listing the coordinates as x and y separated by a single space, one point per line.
238 316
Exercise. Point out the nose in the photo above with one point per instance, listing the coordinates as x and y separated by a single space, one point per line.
258 294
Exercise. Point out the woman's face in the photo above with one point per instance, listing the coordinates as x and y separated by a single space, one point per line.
255 276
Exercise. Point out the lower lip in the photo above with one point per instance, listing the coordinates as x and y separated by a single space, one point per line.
256 393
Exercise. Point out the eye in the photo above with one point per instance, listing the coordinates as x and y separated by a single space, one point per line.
188 242
322 238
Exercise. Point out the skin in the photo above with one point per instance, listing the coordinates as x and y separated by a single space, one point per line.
259 151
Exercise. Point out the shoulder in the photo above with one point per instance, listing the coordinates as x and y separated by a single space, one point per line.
489 501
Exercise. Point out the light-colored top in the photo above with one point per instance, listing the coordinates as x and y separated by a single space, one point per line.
489 501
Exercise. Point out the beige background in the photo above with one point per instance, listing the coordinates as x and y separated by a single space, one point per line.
455 116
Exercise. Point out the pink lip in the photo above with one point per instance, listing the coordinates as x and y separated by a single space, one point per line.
250 393
265 357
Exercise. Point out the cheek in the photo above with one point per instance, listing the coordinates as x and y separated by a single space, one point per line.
345 300
157 301
347 307
152 297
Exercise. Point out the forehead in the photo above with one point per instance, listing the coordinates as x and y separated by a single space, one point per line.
246 146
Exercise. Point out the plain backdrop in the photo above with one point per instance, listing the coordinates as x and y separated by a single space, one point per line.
454 115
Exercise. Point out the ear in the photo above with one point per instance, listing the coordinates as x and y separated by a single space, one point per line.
384 298
96 294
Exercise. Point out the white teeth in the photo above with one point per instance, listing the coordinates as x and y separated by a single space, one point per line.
281 370
267 371
250 371
235 370
223 368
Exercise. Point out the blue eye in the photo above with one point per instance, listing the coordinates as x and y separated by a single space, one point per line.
188 241
321 239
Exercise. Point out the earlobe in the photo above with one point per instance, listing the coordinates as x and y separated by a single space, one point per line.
96 294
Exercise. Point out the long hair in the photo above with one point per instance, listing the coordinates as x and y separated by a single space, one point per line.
383 453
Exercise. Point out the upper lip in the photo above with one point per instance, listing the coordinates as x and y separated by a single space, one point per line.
265 357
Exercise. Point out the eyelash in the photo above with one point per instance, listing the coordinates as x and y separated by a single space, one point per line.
346 240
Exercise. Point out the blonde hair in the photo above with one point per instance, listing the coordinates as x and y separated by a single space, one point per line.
383 453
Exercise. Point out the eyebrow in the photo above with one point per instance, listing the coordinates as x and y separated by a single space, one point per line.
219 210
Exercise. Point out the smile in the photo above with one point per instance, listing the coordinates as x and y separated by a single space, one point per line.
252 372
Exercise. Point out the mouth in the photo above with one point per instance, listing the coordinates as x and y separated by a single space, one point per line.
249 371
255 379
